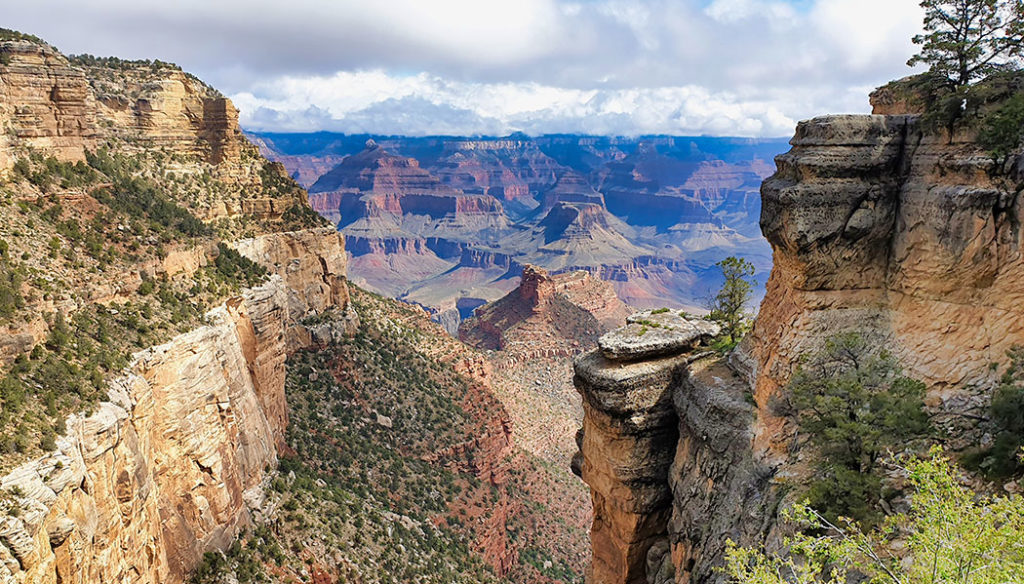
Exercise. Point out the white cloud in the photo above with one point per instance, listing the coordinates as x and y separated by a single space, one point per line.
779 14
627 66
375 102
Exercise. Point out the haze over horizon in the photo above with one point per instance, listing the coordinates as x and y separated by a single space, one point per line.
462 67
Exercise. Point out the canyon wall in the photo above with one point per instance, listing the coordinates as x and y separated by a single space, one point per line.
65 107
169 467
909 237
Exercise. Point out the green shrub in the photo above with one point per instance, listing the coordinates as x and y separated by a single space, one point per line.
950 535
11 279
855 406
1003 129
233 266
1002 458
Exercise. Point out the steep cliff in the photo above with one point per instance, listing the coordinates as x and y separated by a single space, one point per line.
66 107
168 468
138 424
879 225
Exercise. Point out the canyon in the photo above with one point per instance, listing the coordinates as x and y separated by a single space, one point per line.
449 223
191 380
197 388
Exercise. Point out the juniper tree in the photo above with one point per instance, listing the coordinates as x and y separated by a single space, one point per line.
854 405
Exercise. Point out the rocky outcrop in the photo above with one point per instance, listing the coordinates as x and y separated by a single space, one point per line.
559 314
170 467
629 442
655 333
918 242
44 102
911 238
314 267
65 108
572 187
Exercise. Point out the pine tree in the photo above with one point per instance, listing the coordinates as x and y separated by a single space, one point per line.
966 40
729 305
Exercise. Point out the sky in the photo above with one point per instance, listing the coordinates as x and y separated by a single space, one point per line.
492 67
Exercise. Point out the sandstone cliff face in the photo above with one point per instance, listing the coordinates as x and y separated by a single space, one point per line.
661 420
169 467
63 108
911 238
880 227
45 102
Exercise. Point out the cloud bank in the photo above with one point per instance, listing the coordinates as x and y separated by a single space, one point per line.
415 67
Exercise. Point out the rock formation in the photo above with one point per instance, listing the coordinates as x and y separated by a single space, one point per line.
170 465
629 440
674 207
879 226
169 468
65 107
553 314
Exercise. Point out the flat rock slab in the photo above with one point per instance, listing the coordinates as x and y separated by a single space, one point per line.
655 333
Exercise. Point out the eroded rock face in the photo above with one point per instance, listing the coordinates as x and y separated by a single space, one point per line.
630 440
912 239
629 434
880 227
64 108
162 473
45 102
546 315
313 265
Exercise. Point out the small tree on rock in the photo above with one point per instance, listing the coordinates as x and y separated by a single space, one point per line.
966 40
729 305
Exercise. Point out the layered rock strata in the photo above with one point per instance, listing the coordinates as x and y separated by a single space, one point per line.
881 227
907 236
65 108
554 315
628 443
169 468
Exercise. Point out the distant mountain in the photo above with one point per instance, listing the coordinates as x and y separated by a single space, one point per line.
449 222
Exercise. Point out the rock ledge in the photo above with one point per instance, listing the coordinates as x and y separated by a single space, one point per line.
655 333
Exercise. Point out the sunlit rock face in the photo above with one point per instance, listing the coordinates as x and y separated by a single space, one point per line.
172 466
880 227
909 237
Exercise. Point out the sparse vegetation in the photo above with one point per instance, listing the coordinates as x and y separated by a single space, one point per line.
399 500
92 223
87 60
1002 459
7 34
